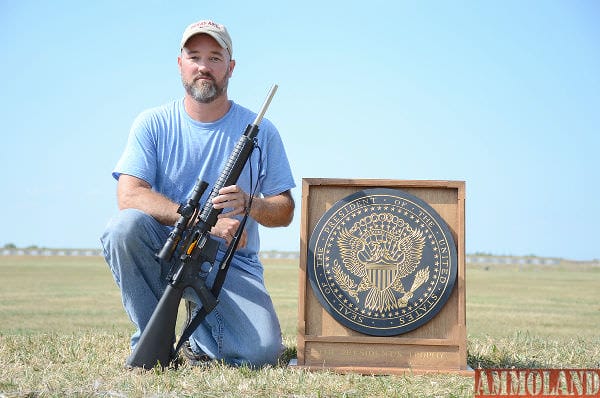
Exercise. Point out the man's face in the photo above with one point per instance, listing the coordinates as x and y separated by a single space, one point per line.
205 68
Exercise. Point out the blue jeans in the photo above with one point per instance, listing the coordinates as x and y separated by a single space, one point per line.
242 330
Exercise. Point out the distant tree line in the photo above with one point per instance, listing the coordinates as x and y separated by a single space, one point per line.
474 258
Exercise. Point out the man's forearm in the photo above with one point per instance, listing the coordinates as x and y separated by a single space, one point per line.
134 194
273 211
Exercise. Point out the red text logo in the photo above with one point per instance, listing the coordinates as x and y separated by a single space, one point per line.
496 383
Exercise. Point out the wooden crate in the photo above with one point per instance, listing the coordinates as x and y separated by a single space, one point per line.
437 346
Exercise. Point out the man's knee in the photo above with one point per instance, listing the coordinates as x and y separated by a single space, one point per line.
125 225
265 349
271 355
132 233
264 355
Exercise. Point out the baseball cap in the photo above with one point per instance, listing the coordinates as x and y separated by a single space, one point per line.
213 29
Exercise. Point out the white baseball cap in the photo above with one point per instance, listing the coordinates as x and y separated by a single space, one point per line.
213 29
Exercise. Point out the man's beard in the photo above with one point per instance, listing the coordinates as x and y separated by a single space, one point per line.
205 91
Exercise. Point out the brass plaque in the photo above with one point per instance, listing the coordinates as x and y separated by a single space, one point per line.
382 262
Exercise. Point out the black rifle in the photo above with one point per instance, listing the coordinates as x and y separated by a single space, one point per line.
155 346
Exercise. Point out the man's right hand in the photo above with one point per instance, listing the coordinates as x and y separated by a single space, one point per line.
226 227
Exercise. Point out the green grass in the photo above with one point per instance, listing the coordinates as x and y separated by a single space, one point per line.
58 294
63 332
551 302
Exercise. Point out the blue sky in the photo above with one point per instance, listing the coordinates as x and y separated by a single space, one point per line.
504 95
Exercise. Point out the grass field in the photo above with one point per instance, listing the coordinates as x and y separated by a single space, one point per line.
63 332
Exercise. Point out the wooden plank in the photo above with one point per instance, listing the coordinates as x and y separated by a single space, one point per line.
380 340
382 355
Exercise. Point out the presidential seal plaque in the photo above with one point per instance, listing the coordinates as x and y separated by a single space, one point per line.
382 276
382 262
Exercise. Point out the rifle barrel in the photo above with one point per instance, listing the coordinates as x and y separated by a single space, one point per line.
266 104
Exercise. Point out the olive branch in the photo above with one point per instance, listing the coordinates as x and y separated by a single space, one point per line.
343 280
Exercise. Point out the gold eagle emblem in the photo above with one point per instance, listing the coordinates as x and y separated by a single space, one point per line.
380 250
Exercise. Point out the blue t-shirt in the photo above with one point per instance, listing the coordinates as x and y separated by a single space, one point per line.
170 150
